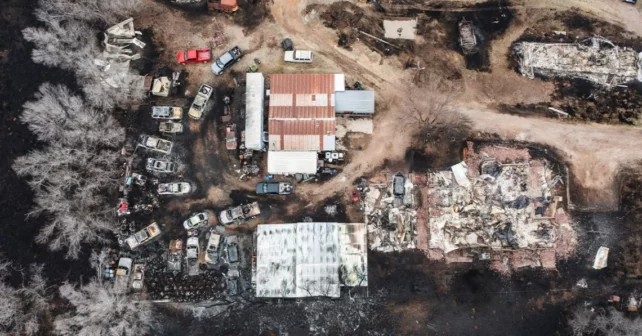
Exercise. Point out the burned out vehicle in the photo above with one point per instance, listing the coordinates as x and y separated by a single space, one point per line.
196 220
161 166
274 188
232 252
155 144
175 256
124 267
200 102
230 137
211 251
143 236
239 213
137 278
191 254
174 188
170 127
167 112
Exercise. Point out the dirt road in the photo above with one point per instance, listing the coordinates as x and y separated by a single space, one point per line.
595 152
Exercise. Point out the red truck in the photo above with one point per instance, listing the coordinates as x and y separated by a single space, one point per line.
194 56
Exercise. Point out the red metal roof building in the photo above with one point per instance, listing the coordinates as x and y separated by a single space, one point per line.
302 113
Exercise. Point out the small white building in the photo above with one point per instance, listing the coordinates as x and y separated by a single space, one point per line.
254 102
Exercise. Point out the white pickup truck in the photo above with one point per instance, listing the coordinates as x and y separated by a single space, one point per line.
200 101
239 213
155 144
298 56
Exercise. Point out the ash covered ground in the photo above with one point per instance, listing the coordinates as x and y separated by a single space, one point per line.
407 293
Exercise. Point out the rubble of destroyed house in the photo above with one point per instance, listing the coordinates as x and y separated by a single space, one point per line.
391 214
595 59
499 204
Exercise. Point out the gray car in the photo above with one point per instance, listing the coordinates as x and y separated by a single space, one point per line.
225 61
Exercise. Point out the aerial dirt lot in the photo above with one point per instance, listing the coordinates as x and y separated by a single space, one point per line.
421 296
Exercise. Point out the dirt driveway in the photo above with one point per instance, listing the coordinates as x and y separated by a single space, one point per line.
595 152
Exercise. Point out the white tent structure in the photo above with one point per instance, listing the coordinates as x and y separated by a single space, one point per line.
254 100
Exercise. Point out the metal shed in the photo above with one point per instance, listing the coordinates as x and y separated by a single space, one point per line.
254 100
355 101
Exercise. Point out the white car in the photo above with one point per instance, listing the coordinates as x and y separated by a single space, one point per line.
196 220
174 188
211 251
155 144
298 56
167 112
161 166
143 236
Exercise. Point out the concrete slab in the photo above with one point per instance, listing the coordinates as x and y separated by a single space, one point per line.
400 29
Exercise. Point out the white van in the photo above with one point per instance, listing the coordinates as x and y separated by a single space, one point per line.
298 56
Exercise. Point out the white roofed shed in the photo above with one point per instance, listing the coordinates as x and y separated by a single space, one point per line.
254 101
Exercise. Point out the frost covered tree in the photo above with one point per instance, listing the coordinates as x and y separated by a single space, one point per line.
101 308
72 175
23 309
68 40
606 322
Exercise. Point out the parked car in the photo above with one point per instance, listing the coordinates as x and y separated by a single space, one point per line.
398 183
196 220
298 56
143 236
124 266
287 45
194 56
213 244
200 102
274 188
170 127
232 253
161 166
226 60
155 144
137 281
239 213
175 256
167 112
191 248
174 188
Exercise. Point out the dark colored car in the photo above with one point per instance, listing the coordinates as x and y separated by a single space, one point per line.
225 61
287 45
398 184
274 188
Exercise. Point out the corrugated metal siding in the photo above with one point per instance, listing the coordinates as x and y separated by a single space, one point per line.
282 128
355 101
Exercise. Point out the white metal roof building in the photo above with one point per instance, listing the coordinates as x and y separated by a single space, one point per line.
310 259
355 101
292 162
254 100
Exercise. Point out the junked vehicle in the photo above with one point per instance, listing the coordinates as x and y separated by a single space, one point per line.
298 56
398 184
239 213
194 56
200 101
230 137
124 267
274 188
191 254
137 281
170 127
196 220
167 112
174 188
211 251
155 144
226 60
143 236
161 166
175 256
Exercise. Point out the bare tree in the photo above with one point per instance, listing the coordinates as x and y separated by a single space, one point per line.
605 322
68 40
57 115
103 308
23 309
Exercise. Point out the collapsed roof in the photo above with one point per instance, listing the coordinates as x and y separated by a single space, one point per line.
310 259
596 59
